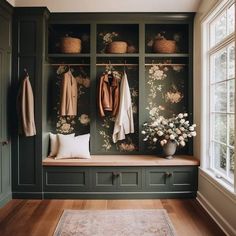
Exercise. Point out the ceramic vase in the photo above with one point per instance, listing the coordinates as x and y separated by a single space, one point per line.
169 149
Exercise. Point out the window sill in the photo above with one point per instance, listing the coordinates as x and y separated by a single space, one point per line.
223 187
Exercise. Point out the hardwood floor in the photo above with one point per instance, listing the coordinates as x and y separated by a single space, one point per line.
40 217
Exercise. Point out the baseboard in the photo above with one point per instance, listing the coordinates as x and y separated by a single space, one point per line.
27 195
117 195
215 215
6 199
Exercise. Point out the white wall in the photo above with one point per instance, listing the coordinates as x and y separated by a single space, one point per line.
113 6
220 205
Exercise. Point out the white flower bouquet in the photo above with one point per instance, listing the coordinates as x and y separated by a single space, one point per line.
176 129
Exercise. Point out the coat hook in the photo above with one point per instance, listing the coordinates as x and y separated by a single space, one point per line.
26 72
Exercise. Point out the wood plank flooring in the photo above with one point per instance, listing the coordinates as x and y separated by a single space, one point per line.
40 217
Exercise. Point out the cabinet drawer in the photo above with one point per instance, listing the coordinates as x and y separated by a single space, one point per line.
62 179
117 179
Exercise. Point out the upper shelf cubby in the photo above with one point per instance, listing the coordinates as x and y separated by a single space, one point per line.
166 38
71 39
117 38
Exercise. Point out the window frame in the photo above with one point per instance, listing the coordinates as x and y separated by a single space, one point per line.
207 115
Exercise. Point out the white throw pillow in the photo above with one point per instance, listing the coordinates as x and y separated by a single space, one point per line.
73 147
54 143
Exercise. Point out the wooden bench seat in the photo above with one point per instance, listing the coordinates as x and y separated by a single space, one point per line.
124 160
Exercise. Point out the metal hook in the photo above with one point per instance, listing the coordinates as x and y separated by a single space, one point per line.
26 72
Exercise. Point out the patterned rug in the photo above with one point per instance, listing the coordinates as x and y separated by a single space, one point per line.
115 223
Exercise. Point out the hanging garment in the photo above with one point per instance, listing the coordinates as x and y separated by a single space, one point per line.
124 123
109 94
26 108
69 90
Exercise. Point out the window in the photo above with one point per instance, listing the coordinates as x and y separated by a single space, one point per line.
219 53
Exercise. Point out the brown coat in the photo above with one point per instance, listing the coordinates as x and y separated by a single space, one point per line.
68 106
26 108
109 94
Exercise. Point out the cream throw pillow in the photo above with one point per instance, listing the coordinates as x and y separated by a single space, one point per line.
73 147
54 143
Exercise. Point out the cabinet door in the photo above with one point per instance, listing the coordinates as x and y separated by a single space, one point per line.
29 31
104 179
157 179
117 179
183 178
5 81
129 179
62 179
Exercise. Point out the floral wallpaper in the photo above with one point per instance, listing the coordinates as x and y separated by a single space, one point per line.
166 94
79 124
105 125
166 90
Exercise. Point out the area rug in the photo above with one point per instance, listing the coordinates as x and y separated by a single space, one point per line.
114 223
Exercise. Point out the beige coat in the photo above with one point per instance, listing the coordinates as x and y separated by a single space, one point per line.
26 109
68 106
124 123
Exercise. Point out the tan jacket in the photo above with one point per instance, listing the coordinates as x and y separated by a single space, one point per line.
109 94
68 106
26 108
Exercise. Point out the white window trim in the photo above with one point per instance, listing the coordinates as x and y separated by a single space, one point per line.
205 91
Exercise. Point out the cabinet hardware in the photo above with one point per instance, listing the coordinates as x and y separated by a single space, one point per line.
168 174
4 143
116 174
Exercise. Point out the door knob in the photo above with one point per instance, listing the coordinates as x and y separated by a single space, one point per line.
4 143
116 174
168 174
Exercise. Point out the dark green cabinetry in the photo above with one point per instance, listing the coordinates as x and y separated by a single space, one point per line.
29 29
123 179
120 182
63 179
5 84
36 49
171 179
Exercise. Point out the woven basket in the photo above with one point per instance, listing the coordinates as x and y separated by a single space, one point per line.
70 45
117 47
164 46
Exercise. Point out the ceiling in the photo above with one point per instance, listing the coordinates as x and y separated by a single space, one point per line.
112 6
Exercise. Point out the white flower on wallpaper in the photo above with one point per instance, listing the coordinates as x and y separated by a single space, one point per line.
106 140
173 97
65 125
177 68
84 119
156 73
127 147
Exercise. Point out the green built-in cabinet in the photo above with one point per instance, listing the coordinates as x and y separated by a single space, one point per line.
36 46
120 182
5 103
159 80
29 34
